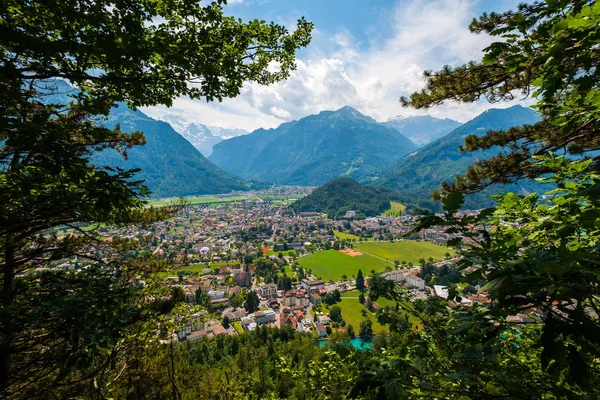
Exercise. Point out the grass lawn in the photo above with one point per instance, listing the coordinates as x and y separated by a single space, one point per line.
343 235
351 293
284 252
395 209
351 312
238 327
416 322
176 229
331 264
222 199
407 250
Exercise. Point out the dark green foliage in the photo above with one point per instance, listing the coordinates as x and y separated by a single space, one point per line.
335 313
57 341
350 330
366 328
360 281
538 256
343 194
314 150
252 302
169 165
331 297
264 364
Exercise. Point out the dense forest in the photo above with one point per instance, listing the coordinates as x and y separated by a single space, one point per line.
344 194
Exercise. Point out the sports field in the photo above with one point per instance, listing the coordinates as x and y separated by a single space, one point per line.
406 250
332 264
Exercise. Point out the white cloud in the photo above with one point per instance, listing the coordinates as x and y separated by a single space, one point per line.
424 35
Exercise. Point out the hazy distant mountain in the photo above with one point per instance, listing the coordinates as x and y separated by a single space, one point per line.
169 164
314 150
422 129
418 174
199 135
344 194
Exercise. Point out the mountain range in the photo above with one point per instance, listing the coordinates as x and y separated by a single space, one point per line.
418 174
422 129
201 136
310 151
314 150
170 165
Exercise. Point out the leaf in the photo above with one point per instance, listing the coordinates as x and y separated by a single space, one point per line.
453 201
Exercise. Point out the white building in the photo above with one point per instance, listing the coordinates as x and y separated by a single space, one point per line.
215 294
268 290
396 276
415 281
264 317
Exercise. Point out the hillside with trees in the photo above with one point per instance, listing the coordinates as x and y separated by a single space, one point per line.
344 194
417 176
314 150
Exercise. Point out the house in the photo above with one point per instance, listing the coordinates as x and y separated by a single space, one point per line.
219 330
235 314
350 214
321 331
287 246
215 294
242 279
324 319
415 281
396 276
219 303
268 290
264 317
312 285
441 291
248 324
315 299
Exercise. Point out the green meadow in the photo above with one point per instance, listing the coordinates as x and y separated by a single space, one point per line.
344 235
331 264
406 250
396 209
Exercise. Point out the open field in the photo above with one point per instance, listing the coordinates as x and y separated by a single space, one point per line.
331 264
351 312
343 235
216 200
395 209
347 236
406 250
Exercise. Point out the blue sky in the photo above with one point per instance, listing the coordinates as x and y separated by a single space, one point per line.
365 54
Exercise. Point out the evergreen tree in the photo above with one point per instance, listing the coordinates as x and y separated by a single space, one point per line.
540 259
366 328
252 302
350 331
58 328
360 281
